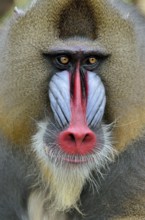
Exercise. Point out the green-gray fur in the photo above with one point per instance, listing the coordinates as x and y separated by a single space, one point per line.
24 76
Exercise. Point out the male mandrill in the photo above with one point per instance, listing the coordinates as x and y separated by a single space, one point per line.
72 112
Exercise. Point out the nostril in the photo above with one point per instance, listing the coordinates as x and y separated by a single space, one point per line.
72 137
86 138
77 137
67 137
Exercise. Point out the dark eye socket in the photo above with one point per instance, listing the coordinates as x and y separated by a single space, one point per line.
91 60
62 60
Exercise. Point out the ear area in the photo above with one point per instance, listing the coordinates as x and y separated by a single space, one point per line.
18 13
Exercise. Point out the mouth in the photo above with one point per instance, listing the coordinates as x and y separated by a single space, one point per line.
48 149
75 159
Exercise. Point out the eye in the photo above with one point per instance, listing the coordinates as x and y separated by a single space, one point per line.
91 61
62 60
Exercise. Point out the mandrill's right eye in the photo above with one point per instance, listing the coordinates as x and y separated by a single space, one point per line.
62 61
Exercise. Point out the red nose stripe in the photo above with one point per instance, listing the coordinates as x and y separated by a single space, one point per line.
77 138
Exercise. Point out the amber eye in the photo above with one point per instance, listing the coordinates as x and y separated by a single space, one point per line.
92 60
63 60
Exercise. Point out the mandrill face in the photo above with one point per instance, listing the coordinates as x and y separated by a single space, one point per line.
75 136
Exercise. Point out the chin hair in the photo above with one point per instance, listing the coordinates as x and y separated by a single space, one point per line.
60 177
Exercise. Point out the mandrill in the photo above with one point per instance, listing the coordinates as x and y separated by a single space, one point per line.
72 112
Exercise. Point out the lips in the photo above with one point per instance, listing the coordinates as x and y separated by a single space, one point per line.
75 161
72 160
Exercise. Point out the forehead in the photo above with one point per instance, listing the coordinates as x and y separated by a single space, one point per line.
78 45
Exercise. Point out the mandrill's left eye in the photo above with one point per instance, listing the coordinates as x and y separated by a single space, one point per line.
92 60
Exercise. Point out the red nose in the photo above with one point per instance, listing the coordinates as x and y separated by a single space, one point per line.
77 138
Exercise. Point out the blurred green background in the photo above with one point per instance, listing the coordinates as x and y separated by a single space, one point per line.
22 3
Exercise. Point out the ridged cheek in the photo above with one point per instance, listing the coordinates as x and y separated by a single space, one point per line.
59 95
96 100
